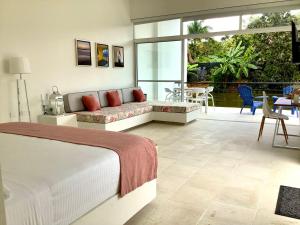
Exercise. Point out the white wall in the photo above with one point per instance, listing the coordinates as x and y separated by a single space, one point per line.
153 8
44 31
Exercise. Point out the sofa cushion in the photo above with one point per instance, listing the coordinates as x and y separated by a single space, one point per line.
138 95
175 107
112 114
91 103
128 95
113 98
103 99
73 101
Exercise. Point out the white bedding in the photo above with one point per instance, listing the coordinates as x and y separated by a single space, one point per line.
54 183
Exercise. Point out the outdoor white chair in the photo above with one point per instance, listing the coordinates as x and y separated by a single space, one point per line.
209 90
188 95
199 95
171 95
268 113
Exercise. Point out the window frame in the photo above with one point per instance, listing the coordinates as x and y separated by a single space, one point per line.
208 15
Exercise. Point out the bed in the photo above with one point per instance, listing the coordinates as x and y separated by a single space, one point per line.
51 182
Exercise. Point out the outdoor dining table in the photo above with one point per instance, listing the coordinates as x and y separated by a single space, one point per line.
281 103
187 89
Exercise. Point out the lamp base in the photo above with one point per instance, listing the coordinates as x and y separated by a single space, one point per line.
26 95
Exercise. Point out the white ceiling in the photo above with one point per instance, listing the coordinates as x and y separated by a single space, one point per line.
167 8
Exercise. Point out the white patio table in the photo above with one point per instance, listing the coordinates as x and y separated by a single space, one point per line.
201 95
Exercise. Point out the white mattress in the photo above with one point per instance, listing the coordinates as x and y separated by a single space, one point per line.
54 183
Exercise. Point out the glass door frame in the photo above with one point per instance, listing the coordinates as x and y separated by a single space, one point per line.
160 40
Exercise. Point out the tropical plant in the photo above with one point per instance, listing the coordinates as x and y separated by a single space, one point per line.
192 67
196 27
192 72
235 63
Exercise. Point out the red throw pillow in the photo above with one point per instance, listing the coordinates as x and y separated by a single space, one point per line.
138 95
91 103
113 98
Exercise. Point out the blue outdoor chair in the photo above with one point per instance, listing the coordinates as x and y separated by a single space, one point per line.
286 91
248 99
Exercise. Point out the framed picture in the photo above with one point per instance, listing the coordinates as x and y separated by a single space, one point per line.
102 55
83 53
118 56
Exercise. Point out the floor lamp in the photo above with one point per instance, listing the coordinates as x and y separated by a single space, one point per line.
20 65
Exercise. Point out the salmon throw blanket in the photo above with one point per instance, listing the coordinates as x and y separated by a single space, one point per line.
138 156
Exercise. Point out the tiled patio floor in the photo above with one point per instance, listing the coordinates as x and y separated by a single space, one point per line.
233 114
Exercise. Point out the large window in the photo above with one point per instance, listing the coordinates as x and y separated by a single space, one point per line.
157 29
253 47
244 21
213 25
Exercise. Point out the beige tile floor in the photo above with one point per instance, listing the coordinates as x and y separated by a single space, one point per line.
216 173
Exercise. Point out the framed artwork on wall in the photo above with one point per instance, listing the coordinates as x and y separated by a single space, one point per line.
118 56
83 53
102 55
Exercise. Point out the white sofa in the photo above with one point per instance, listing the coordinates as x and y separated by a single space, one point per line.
130 113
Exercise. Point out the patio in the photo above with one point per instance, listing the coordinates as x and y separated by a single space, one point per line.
233 114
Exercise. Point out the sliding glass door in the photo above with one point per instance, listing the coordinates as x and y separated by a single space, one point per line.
159 68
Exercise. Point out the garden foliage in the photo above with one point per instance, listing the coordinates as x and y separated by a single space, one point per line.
264 57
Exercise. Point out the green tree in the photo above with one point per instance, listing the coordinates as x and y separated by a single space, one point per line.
275 49
272 51
273 19
208 47
196 27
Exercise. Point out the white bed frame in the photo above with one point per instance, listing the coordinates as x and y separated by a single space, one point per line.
144 118
114 211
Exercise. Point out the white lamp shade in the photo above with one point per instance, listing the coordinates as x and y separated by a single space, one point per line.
19 65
